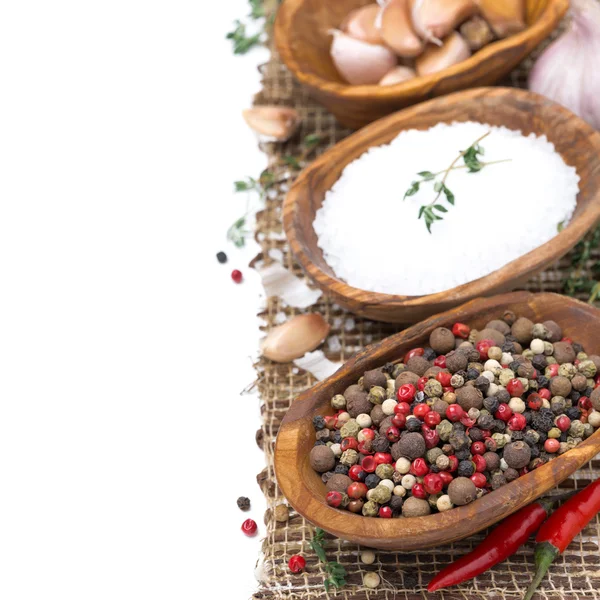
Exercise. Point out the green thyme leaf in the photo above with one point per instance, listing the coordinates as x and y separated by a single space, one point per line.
292 161
449 195
312 140
426 175
440 208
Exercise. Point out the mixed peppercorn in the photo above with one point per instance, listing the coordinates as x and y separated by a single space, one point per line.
463 416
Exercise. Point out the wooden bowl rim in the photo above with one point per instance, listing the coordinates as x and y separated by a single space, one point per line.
551 14
553 249
375 531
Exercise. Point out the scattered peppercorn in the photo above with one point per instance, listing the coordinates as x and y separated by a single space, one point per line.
222 257
243 503
237 276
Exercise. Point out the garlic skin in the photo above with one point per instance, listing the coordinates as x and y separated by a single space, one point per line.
435 19
272 123
568 71
398 74
397 30
295 338
477 32
505 17
454 50
360 63
360 24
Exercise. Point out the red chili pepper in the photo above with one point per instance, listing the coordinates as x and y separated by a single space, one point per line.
501 543
559 530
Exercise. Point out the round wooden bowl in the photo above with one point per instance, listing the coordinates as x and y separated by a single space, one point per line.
303 42
306 492
576 141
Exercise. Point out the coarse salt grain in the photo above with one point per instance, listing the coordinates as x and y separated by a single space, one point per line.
373 240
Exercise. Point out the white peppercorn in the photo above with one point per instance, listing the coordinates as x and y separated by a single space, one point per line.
403 465
489 376
408 481
444 503
594 418
517 405
399 491
343 417
495 353
388 406
338 402
371 579
364 420
336 449
388 483
505 376
367 557
506 359
537 346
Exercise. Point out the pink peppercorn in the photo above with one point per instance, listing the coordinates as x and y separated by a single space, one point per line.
551 445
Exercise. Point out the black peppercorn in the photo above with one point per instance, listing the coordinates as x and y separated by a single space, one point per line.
491 403
472 374
514 365
420 397
482 384
577 347
476 434
396 504
413 425
459 440
508 347
243 502
465 468
543 420
574 395
372 481
539 362
464 454
531 438
528 417
319 443
388 368
588 391
499 426
434 469
517 436
318 422
543 381
341 469
485 421
429 353
380 444
337 437
462 373
222 257
543 437
535 451
503 396
564 436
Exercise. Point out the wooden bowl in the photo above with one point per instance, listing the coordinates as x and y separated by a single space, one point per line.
303 42
306 492
576 141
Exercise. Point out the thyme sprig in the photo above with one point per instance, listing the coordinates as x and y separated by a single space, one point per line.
242 42
309 143
577 282
335 571
471 156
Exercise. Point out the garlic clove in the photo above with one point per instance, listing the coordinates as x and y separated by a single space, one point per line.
454 50
397 30
506 17
274 123
435 19
360 24
360 63
398 74
477 32
295 338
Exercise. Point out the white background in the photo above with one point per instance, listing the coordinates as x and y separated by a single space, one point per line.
124 345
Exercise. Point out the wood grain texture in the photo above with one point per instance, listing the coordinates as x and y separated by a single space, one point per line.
306 492
303 42
576 141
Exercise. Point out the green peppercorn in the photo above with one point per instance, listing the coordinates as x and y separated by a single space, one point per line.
555 433
444 430
433 454
433 388
370 509
568 370
377 395
499 439
381 494
349 457
577 429
350 429
397 370
587 368
384 471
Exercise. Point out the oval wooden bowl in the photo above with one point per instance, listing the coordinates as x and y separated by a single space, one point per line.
306 492
576 141
303 42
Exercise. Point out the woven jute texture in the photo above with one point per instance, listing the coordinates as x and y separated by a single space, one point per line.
575 576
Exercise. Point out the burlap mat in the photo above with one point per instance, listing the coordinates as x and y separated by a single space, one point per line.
576 575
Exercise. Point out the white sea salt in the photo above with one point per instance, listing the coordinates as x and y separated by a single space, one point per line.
374 241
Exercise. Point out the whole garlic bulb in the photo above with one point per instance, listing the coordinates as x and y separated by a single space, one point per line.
568 71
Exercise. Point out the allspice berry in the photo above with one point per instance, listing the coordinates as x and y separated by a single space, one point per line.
338 483
560 386
322 459
522 330
490 334
282 512
462 491
596 360
377 415
517 454
411 446
357 401
442 340
418 365
415 507
456 361
579 382
374 377
595 398
469 397
492 461
502 326
564 353
406 377
554 329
